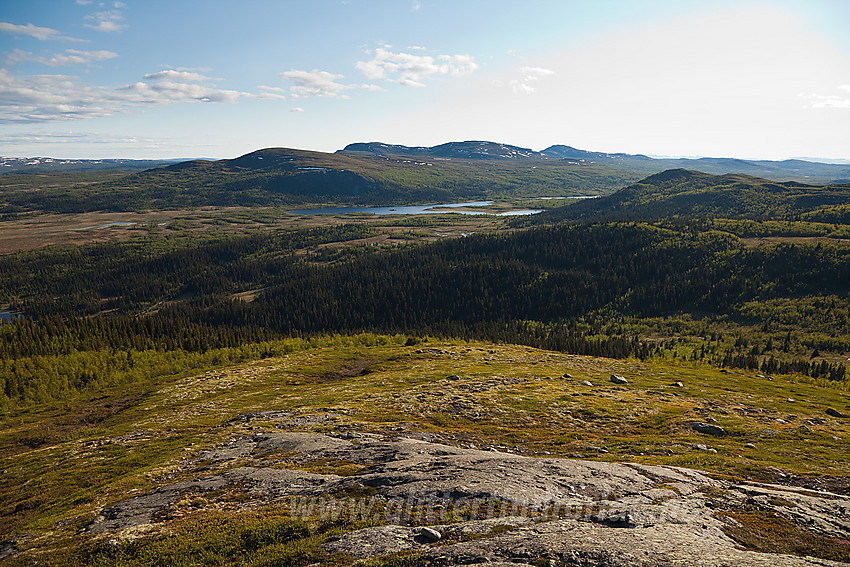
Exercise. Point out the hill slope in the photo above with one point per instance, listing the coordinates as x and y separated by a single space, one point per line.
340 449
683 193
289 177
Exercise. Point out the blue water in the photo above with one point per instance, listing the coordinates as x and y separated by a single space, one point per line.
6 316
413 210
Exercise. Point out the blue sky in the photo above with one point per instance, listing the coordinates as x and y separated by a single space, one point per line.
161 79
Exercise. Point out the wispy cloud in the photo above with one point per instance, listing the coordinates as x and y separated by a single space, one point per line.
70 137
297 109
50 98
829 101
107 20
412 70
176 75
529 76
271 93
33 31
170 87
316 83
56 98
69 57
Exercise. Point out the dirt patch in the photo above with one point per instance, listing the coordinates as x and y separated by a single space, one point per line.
760 240
247 296
350 369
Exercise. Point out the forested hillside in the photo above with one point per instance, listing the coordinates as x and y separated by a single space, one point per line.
611 289
286 177
683 193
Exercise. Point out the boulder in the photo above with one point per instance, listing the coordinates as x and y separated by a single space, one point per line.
708 429
617 379
430 534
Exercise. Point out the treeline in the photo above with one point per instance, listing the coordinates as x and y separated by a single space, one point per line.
47 378
822 369
563 287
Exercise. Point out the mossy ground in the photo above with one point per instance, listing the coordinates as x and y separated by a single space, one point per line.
506 397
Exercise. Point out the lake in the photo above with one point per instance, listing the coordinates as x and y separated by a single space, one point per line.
7 316
414 210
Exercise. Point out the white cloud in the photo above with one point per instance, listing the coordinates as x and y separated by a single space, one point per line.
170 87
84 2
315 83
297 109
106 21
528 77
174 75
56 98
32 31
411 70
70 57
827 101
815 100
49 98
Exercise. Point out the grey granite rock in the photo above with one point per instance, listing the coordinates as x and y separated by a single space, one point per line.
568 512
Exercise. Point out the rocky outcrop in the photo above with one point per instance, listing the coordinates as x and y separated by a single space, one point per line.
487 506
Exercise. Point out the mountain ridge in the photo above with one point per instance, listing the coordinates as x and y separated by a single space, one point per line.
470 149
781 170
474 151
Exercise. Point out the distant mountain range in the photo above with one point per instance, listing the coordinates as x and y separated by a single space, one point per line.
450 150
382 174
34 164
784 170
